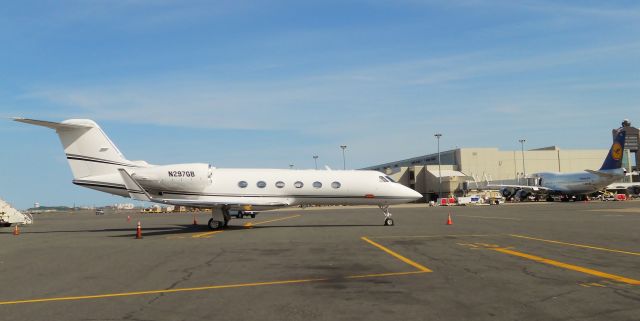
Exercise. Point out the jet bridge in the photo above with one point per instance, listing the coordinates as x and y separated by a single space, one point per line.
9 215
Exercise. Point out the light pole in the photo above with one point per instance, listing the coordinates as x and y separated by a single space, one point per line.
438 135
344 162
524 172
315 160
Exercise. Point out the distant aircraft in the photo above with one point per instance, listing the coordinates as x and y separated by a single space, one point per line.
631 187
97 163
577 184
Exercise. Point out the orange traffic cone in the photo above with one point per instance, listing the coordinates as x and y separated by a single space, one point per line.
16 230
139 231
449 221
128 218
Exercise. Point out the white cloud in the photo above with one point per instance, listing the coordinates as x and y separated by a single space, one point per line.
376 102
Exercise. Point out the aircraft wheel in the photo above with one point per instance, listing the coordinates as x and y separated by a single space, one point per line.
214 225
253 216
388 222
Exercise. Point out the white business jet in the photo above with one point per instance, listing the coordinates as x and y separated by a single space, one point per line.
97 163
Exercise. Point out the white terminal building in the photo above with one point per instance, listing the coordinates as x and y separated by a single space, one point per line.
464 169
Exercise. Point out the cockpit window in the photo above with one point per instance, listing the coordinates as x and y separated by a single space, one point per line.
390 179
382 179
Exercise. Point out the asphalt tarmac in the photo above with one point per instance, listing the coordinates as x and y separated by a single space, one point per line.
560 261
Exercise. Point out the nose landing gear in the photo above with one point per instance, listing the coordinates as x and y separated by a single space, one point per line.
388 221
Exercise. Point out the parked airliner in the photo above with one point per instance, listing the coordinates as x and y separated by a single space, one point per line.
97 163
573 184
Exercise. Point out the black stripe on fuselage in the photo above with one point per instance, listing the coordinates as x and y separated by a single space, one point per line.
98 160
98 184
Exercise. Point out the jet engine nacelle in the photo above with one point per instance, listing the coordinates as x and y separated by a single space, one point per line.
522 195
507 192
634 190
180 177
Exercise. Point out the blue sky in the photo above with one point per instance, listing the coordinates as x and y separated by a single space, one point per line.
272 83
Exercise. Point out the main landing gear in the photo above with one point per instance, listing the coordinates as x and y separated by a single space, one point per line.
388 221
219 219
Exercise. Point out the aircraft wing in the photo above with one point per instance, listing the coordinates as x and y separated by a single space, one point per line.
623 185
220 203
133 187
532 189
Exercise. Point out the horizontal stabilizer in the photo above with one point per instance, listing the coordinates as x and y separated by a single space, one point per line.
602 174
133 187
50 124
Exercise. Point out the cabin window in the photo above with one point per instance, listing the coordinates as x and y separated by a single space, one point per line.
261 184
298 184
242 184
336 184
317 184
279 184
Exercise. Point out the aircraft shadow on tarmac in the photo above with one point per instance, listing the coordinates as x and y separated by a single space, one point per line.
189 229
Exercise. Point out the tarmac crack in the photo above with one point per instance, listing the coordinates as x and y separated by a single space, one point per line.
627 295
526 271
556 296
602 315
188 273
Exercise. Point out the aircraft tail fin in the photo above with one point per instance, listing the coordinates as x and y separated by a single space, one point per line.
88 149
614 158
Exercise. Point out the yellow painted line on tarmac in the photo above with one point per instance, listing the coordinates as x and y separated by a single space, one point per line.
572 267
378 275
473 246
206 235
202 288
576 245
124 294
250 224
588 285
397 256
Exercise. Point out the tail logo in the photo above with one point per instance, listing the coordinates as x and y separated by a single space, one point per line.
616 151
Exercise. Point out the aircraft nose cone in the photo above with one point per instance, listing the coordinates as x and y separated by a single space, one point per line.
412 194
